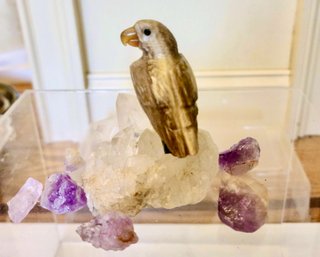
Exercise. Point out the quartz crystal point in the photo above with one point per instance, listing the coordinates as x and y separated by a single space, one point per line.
73 160
130 113
99 131
241 157
23 202
242 203
62 195
132 172
112 231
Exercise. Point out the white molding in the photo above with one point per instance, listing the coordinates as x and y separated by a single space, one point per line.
306 76
29 41
51 31
205 79
73 54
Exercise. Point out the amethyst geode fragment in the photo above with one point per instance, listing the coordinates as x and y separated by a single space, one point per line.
241 157
113 231
242 203
62 195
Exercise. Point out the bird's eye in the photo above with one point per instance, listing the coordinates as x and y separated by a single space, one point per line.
147 32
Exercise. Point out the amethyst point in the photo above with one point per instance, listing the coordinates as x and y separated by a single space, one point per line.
242 204
113 231
23 202
62 195
241 157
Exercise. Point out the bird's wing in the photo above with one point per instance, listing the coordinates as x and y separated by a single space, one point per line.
187 83
173 82
164 82
142 82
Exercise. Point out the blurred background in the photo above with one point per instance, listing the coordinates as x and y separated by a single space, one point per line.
75 44
56 44
14 66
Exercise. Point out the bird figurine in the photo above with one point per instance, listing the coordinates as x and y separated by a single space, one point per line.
165 86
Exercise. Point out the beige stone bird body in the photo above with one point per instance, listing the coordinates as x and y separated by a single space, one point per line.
165 86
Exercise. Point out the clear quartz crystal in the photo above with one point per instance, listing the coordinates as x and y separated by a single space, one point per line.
99 131
140 174
130 113
181 181
73 160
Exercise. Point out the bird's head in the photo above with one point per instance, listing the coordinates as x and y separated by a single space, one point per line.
152 37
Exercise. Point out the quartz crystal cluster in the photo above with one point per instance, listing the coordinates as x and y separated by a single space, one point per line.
113 231
121 168
130 171
243 201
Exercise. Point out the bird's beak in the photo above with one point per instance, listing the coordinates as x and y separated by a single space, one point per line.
130 37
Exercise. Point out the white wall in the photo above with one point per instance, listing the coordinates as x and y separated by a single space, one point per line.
10 32
234 43
229 43
306 66
14 67
212 34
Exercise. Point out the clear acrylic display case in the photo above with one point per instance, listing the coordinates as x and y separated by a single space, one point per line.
39 127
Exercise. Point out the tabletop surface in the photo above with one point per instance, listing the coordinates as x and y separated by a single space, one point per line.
276 240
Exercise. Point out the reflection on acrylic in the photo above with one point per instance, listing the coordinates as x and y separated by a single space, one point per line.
123 166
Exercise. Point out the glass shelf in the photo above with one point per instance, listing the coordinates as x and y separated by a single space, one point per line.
41 124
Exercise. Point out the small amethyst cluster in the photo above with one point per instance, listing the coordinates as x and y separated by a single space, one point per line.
242 203
61 195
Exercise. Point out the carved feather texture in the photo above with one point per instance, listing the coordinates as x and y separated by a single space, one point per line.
167 91
165 86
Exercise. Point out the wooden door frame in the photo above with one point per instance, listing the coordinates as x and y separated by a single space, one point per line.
306 66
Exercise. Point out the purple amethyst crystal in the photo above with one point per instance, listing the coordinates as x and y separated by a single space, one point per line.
62 195
241 157
242 203
113 231
23 202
